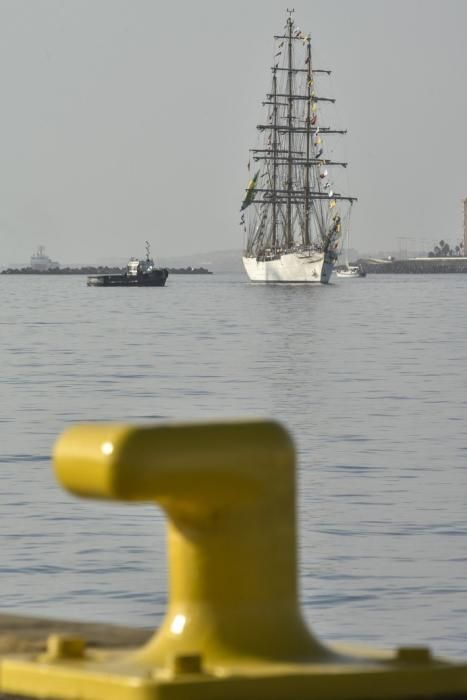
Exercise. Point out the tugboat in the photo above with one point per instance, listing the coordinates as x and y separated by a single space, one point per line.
139 273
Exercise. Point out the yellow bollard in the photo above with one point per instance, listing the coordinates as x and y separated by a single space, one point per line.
229 494
233 629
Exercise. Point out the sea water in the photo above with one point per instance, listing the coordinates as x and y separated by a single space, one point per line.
370 377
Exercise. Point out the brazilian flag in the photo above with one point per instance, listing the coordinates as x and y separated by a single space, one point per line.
250 192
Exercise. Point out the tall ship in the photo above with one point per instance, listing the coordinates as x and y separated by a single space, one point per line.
293 213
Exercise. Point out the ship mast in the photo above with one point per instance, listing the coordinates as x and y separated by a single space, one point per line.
289 232
291 149
274 161
306 235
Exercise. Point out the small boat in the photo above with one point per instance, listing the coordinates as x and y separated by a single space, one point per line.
347 270
350 271
293 213
139 273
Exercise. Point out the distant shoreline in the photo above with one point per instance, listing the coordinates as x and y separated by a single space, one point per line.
99 271
415 266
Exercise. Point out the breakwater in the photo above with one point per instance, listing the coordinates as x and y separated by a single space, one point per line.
99 271
414 266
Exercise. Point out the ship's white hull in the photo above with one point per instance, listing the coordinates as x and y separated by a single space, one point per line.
290 267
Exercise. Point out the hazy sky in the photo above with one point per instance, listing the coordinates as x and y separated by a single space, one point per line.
123 120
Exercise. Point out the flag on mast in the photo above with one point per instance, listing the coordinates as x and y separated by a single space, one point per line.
250 192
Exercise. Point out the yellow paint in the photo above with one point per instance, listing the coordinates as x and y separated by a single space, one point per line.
233 628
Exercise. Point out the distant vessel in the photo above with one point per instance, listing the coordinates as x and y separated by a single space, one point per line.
294 221
347 270
350 271
41 262
139 273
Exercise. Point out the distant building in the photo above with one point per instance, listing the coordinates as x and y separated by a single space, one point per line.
41 261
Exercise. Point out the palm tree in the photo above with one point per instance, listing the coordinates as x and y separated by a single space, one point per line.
442 250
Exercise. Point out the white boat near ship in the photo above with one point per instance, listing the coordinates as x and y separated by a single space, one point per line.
350 271
295 218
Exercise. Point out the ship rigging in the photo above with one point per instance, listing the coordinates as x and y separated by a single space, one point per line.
292 214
